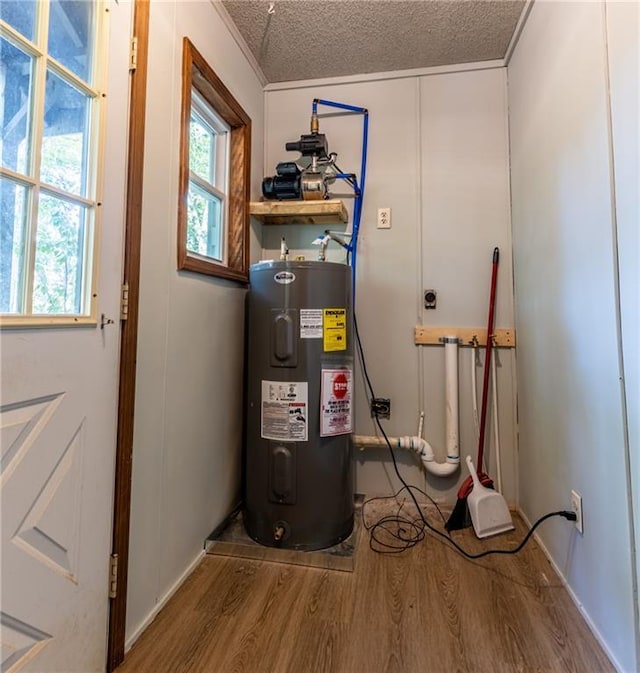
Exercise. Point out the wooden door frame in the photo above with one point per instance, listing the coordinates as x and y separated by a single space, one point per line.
129 334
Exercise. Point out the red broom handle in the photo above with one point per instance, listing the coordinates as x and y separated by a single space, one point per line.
487 359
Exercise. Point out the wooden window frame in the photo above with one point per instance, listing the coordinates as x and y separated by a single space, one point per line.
197 74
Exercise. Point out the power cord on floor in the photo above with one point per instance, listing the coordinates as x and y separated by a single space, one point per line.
393 533
403 533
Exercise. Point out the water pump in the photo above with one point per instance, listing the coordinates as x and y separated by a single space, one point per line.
295 182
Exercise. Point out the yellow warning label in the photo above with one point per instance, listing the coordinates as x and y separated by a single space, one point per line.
334 329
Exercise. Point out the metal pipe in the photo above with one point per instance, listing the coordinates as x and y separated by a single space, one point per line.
496 430
474 388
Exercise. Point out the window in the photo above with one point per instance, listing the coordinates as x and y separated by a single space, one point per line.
49 148
213 211
208 184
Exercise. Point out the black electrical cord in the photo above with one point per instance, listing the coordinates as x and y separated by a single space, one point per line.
397 493
403 532
361 358
403 539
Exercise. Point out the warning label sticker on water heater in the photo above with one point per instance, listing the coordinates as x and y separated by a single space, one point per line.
311 323
335 329
284 410
335 401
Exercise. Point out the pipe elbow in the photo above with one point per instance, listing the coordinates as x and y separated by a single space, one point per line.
420 446
425 450
445 469
428 458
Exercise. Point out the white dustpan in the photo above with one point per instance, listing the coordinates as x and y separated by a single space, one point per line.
489 512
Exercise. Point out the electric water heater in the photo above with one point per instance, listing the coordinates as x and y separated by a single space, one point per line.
298 472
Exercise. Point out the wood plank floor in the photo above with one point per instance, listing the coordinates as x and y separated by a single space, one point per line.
425 610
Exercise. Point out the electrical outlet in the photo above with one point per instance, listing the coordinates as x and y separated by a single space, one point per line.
384 218
381 407
430 298
576 506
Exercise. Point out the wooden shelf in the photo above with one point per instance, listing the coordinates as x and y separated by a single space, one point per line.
430 336
331 211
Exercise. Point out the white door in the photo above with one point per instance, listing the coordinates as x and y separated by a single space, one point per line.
58 434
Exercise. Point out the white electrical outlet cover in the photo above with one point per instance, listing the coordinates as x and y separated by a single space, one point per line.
384 218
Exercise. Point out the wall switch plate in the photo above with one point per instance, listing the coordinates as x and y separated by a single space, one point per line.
576 506
384 218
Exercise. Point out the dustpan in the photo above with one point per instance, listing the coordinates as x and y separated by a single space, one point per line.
488 509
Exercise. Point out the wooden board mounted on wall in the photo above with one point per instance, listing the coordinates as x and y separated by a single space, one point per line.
331 211
430 336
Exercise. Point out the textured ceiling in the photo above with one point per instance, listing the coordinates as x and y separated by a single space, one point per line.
311 39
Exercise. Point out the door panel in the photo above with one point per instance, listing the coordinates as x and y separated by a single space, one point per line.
58 412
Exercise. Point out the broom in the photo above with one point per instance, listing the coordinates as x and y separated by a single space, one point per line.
459 517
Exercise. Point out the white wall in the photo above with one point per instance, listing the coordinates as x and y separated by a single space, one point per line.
188 414
438 156
623 22
571 416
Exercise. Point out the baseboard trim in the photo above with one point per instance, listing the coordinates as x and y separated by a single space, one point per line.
581 609
162 602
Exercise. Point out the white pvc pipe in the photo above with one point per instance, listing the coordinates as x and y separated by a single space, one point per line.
420 445
451 397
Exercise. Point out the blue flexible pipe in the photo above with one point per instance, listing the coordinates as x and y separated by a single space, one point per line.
360 195
357 188
340 106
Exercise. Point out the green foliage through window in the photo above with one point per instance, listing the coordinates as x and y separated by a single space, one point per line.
207 181
215 162
49 165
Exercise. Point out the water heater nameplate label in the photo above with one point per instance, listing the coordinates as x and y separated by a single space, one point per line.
284 410
334 329
284 277
335 402
310 323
